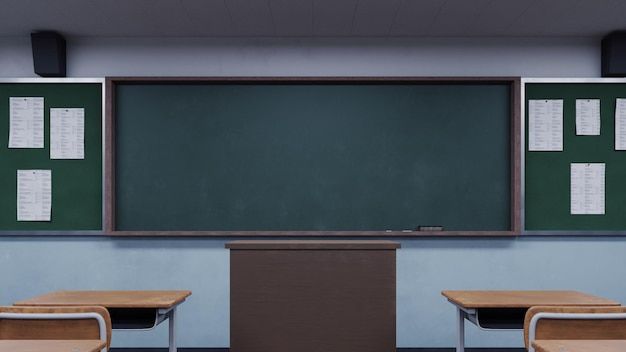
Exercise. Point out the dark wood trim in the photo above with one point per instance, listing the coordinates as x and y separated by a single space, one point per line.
312 80
312 245
516 156
515 86
109 157
378 234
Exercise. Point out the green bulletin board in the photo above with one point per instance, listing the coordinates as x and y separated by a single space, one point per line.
76 184
547 174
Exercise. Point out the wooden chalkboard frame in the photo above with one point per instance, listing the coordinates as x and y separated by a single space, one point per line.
515 158
88 80
522 139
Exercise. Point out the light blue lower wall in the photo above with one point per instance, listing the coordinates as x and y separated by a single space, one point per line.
31 266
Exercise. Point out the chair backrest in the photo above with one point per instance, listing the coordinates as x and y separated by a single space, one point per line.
574 323
55 323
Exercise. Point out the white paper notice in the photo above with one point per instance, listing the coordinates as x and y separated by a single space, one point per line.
620 124
67 133
588 117
545 125
34 195
587 188
25 122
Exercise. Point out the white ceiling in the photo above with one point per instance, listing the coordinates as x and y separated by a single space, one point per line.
314 18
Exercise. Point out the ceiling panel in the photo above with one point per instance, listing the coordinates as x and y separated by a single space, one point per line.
415 17
457 18
20 17
374 17
306 18
140 16
495 18
251 17
293 16
585 18
541 16
206 18
333 17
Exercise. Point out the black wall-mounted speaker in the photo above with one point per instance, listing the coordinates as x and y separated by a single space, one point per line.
48 53
614 54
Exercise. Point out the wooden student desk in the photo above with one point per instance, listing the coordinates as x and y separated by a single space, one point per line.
505 310
129 310
579 345
52 345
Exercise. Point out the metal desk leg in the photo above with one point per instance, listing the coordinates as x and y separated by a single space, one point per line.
172 326
460 330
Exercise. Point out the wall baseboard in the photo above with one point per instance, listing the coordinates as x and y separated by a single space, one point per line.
443 349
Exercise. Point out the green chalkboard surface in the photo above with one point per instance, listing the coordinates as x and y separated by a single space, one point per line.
76 184
547 174
312 156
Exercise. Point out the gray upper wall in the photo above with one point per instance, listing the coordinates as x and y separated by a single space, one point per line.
530 57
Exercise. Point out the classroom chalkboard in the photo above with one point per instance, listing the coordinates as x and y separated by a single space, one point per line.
311 156
547 174
76 184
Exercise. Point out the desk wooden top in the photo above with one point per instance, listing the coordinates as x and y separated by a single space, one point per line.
51 345
524 299
312 244
109 299
579 345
